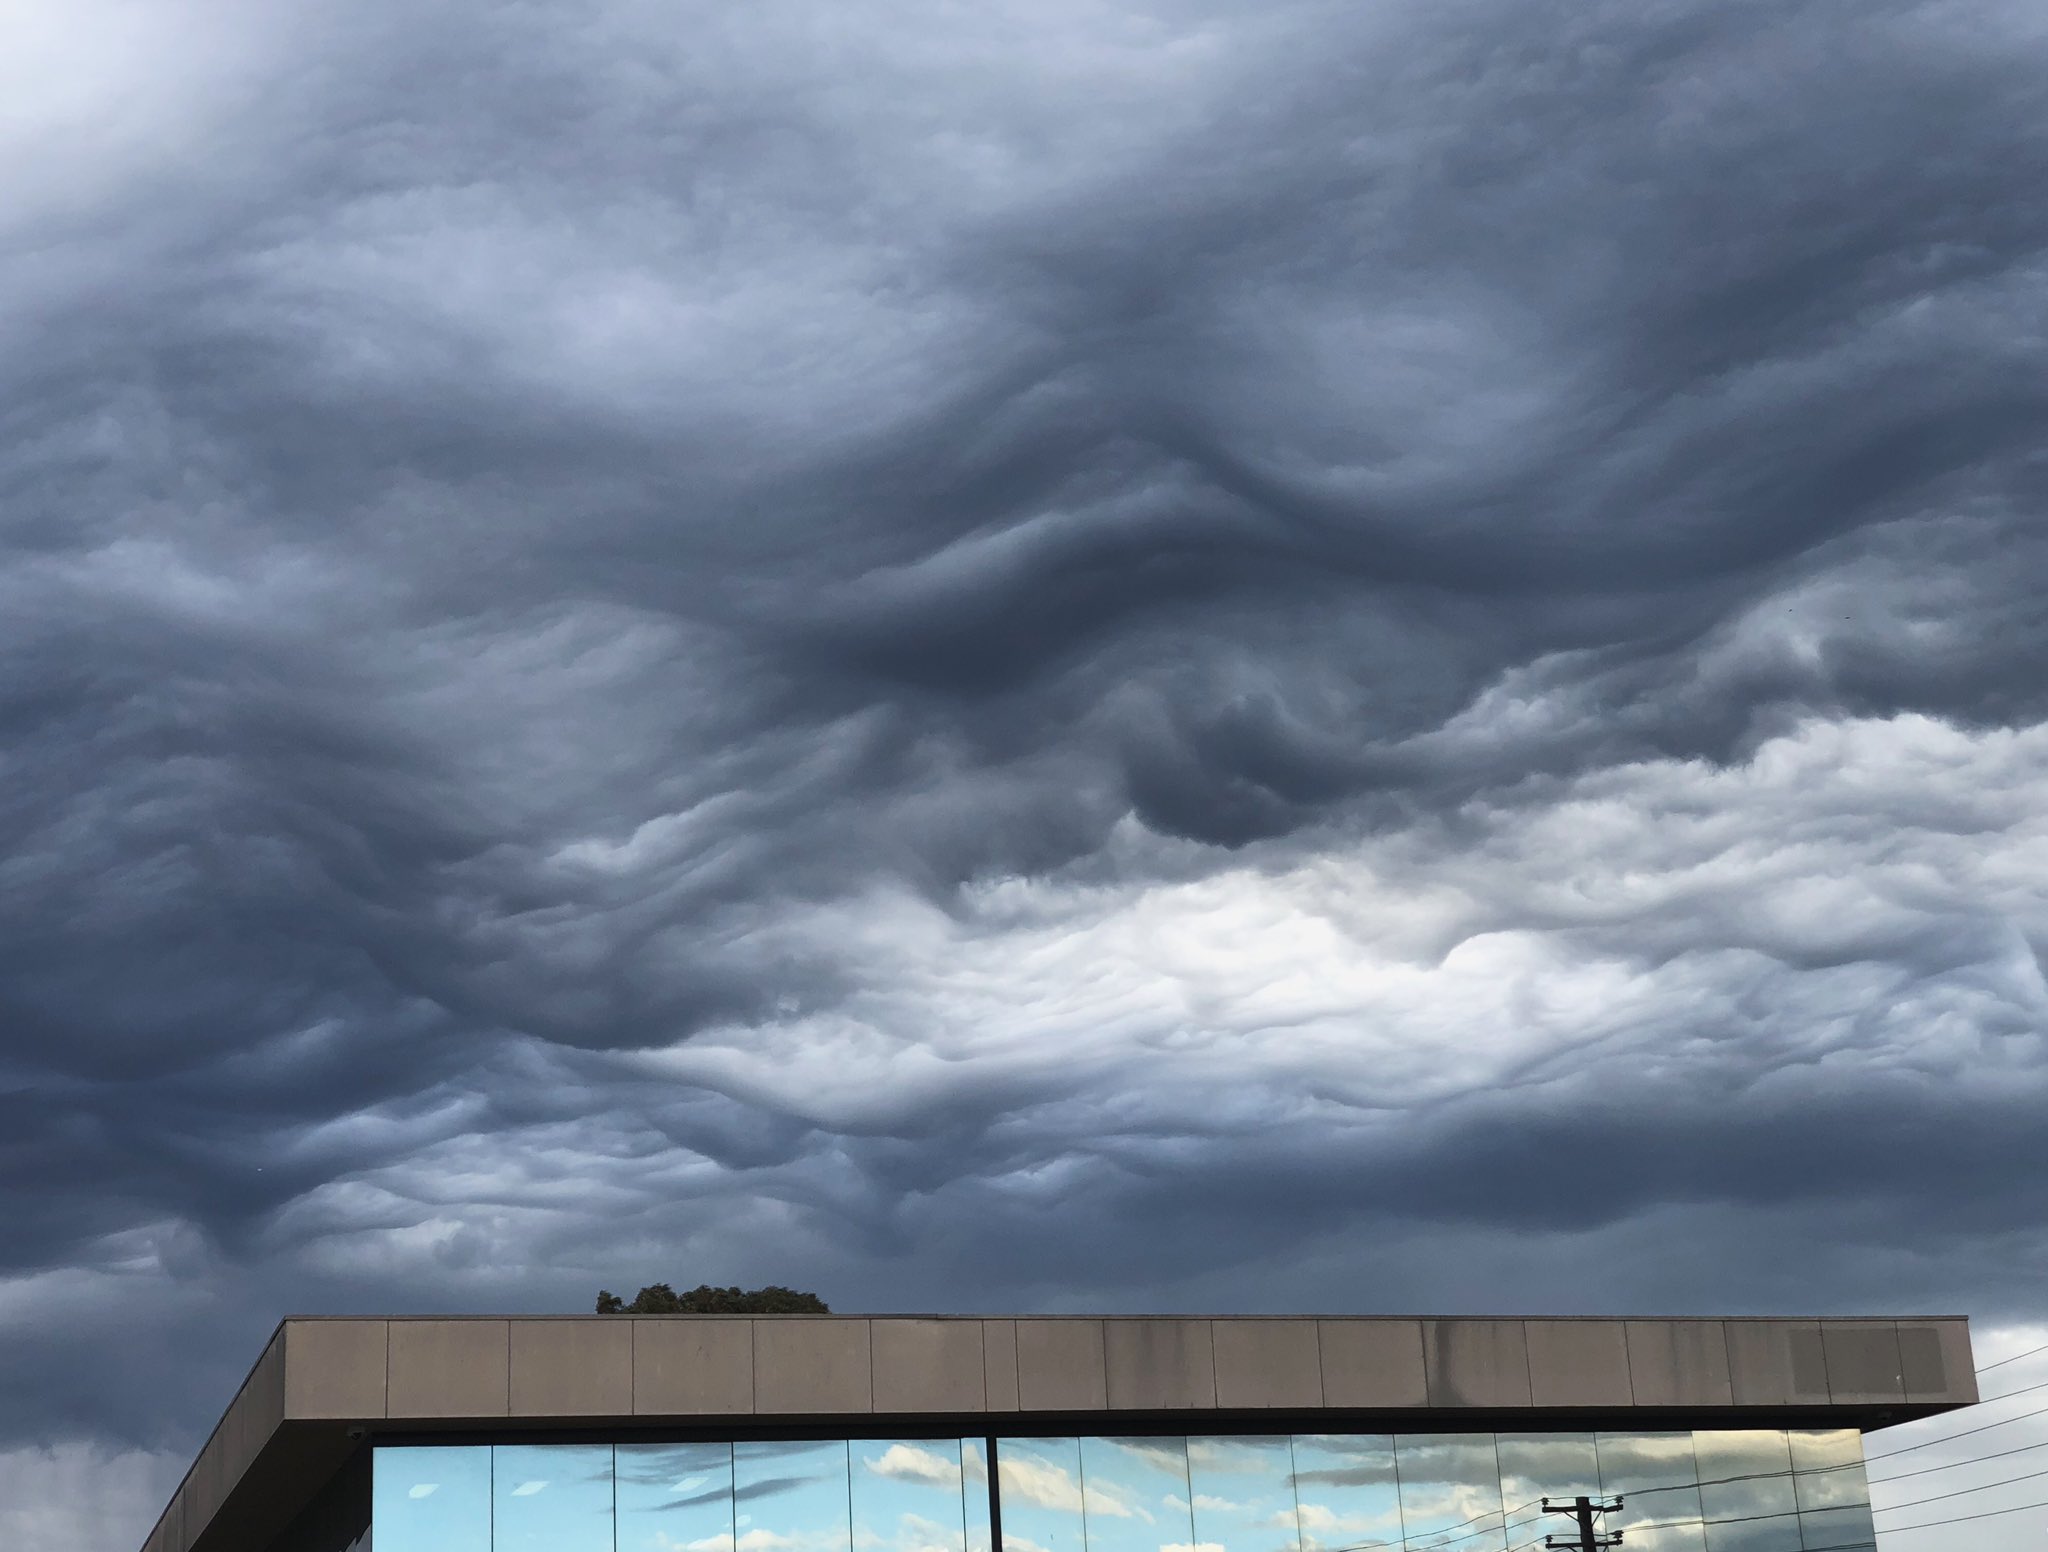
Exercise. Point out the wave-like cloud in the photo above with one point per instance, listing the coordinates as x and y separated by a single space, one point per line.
1047 657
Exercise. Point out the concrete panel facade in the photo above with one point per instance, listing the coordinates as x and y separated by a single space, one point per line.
1060 1366
1776 1362
812 1364
318 1379
449 1368
999 1364
1266 1363
1678 1363
1158 1365
929 1366
1578 1363
571 1367
1372 1363
1863 1361
692 1368
1476 1363
255 1415
335 1368
1935 1356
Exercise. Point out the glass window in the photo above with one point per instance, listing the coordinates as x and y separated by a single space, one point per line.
434 1498
1040 1490
791 1496
1535 1466
1450 1491
551 1498
1746 1493
1657 1477
1833 1492
1134 1495
1346 1492
1828 1467
675 1497
907 1496
1827 1530
1243 1495
974 1495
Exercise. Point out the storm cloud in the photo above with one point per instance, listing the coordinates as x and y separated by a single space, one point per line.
1032 656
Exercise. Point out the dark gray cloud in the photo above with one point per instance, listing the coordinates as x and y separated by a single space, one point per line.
1258 655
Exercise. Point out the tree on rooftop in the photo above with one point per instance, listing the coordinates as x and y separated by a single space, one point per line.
661 1299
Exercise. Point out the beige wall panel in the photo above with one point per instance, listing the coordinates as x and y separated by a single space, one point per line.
205 1488
1267 1363
819 1363
928 1366
1158 1365
1577 1363
1679 1363
1863 1361
254 1414
999 1364
449 1368
572 1368
1476 1363
1372 1363
1060 1366
684 1367
334 1368
1776 1362
1936 1360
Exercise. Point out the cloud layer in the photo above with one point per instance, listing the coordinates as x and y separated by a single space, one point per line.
1053 655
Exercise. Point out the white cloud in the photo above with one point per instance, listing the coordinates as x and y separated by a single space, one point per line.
908 1463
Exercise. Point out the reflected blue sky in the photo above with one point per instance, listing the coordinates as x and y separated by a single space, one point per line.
552 1498
1039 1483
432 1499
1243 1495
1721 1491
908 1496
1348 1491
675 1498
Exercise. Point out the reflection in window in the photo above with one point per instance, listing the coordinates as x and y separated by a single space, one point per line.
1829 1467
1832 1490
1657 1475
1347 1492
1134 1495
1039 1482
551 1498
1450 1491
1746 1491
1243 1494
907 1496
974 1496
431 1499
1535 1466
791 1496
675 1497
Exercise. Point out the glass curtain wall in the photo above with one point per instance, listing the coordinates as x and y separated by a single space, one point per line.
1726 1491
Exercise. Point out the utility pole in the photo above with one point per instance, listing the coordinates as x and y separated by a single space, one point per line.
1583 1512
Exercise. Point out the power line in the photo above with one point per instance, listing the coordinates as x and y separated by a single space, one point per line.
1442 1537
1965 1433
2015 1358
1987 1400
1951 1465
1960 1492
1988 1514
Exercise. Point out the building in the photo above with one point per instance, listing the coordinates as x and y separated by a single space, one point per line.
811 1433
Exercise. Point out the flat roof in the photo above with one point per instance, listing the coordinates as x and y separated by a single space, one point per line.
326 1388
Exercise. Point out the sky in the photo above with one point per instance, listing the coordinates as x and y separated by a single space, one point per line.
1247 655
